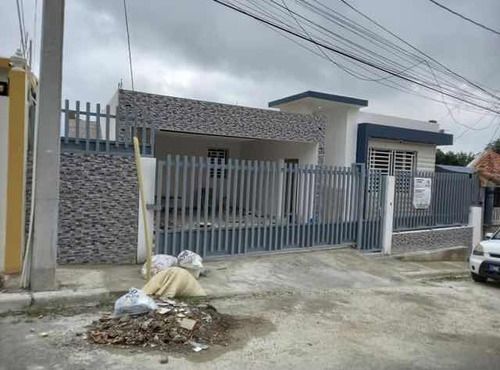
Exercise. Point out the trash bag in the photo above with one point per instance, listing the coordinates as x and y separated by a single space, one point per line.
134 302
174 282
190 261
159 262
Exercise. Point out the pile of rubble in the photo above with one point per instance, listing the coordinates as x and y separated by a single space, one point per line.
173 324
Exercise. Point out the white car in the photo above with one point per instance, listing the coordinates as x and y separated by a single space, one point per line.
485 259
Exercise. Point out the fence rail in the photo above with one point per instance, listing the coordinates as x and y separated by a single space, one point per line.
451 196
241 206
94 128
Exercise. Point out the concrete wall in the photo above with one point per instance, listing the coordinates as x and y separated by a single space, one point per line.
419 240
306 153
426 153
198 145
381 119
4 135
98 209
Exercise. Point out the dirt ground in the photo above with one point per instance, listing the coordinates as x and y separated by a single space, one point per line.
403 323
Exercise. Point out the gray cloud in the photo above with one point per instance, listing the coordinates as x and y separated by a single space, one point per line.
197 49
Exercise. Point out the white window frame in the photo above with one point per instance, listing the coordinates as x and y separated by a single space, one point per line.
217 156
388 161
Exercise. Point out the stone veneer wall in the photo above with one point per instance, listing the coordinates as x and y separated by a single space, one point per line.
98 209
414 241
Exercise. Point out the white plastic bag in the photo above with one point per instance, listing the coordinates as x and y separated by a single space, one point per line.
159 262
190 261
134 302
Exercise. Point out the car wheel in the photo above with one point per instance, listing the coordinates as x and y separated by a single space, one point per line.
478 278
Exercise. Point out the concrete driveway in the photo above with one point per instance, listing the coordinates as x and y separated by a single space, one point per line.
301 311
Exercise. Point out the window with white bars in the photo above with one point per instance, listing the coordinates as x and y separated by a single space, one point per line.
217 156
389 161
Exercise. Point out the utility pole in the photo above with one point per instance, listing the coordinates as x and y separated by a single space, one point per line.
44 257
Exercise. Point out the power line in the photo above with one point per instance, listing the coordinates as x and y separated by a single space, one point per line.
465 18
21 27
128 43
352 57
351 47
416 49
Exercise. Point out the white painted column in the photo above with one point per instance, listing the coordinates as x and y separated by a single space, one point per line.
387 220
476 222
149 179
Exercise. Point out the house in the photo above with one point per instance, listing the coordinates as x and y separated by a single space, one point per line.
306 128
487 167
224 179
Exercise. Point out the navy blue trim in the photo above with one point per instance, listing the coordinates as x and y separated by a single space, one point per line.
367 131
319 95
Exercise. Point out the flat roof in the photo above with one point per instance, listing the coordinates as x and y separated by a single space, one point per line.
319 95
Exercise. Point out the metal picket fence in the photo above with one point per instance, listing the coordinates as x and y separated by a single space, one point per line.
240 206
95 128
451 197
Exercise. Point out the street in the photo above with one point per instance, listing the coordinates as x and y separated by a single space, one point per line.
432 323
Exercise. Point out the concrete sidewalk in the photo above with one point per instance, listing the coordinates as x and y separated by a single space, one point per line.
244 276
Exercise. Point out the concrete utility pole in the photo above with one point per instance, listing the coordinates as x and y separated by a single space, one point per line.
44 257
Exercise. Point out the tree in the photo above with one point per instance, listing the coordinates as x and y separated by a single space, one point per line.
494 145
454 159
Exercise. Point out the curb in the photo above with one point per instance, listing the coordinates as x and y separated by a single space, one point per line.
20 302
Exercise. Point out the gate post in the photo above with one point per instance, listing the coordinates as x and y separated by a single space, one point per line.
149 180
388 214
361 204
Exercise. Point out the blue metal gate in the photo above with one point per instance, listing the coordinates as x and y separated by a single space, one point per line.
215 208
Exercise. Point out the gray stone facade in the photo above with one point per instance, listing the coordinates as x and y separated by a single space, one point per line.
98 209
414 241
196 116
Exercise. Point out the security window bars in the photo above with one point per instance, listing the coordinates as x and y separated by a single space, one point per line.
389 161
217 157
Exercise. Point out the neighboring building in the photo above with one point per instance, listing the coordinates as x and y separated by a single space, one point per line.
309 128
487 167
17 110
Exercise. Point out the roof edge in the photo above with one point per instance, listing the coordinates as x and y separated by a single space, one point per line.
319 95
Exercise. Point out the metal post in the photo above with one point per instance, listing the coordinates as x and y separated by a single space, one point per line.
44 258
361 205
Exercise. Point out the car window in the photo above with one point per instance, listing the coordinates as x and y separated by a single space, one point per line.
496 236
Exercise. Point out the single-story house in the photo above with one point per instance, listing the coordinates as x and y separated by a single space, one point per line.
204 200
306 128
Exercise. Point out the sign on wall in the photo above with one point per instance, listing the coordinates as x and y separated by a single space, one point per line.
422 187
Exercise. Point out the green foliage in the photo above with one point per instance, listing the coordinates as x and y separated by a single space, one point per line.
494 145
454 159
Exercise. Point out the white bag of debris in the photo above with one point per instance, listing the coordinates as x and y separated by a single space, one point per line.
135 302
159 262
190 261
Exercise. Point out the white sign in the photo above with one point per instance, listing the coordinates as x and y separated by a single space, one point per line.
422 192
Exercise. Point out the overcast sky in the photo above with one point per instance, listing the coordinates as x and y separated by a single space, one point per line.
197 49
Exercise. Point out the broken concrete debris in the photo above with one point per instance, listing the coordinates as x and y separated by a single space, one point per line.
174 325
